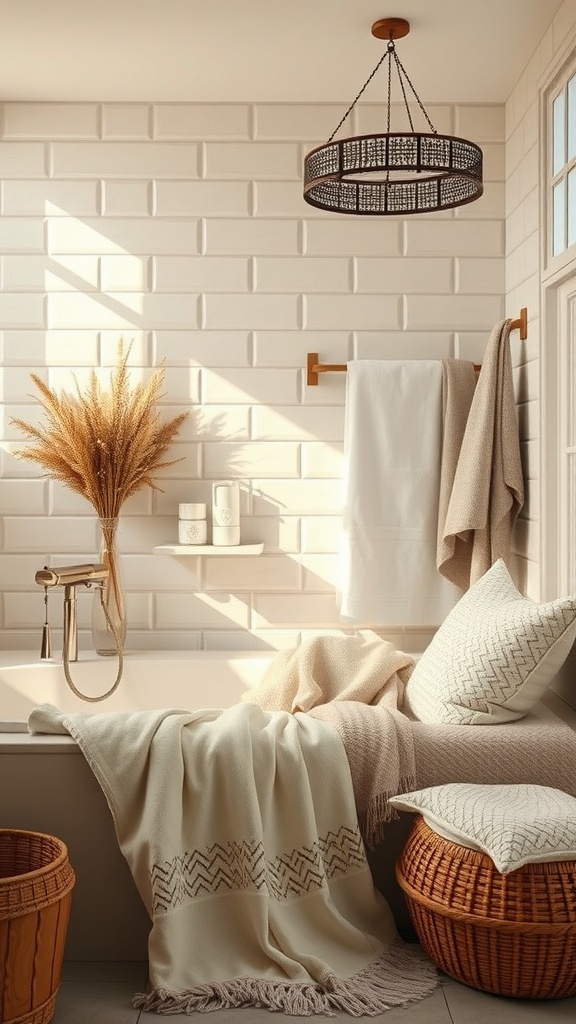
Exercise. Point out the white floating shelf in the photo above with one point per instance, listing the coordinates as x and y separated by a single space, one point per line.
209 549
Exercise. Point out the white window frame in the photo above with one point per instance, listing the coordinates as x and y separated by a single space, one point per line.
551 263
556 271
566 450
563 175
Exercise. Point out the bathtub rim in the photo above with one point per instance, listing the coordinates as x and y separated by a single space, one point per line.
14 657
14 735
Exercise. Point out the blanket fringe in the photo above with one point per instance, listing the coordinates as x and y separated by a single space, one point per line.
402 974
372 820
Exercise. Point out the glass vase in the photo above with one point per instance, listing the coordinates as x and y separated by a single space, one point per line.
109 606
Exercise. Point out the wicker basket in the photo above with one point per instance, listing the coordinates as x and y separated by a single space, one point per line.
36 882
513 934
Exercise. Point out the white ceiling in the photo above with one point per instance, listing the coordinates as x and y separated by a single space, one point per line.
261 50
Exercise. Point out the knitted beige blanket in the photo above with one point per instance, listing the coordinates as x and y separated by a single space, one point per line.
240 830
538 750
356 684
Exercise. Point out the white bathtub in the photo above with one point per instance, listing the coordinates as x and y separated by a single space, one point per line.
150 679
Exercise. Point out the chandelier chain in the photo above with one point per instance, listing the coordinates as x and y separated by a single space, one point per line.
390 48
401 67
402 73
401 81
355 100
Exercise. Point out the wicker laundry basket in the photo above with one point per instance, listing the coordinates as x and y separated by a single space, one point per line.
36 882
513 934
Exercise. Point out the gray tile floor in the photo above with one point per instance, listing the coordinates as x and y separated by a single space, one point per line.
101 993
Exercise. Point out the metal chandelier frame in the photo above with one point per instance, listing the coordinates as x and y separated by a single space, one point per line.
407 172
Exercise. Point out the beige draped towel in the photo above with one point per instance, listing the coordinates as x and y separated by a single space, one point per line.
476 520
355 684
458 385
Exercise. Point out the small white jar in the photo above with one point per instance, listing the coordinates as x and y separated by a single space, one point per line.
192 531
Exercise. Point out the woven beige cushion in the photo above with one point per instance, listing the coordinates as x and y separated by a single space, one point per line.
493 657
514 825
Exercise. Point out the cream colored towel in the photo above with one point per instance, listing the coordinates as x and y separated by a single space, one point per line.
458 386
488 488
392 449
356 684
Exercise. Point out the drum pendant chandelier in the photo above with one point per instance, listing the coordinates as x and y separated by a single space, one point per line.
406 172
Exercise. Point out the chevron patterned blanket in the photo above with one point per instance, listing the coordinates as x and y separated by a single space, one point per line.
240 830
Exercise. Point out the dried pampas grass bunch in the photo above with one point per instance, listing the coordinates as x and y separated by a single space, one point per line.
102 444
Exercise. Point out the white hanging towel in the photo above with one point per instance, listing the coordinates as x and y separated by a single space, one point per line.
392 447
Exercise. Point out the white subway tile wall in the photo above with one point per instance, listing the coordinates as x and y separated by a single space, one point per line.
182 228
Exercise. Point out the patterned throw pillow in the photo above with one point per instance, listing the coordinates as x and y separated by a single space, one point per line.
514 825
494 655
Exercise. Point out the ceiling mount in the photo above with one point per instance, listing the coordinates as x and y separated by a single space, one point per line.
390 28
393 173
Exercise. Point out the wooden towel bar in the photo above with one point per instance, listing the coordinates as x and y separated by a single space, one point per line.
314 367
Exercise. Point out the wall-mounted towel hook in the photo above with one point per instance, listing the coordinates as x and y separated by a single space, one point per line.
313 367
521 324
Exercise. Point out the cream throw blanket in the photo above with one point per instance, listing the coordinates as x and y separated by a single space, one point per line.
356 684
488 489
240 829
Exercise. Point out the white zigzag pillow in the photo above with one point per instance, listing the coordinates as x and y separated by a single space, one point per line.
514 825
494 655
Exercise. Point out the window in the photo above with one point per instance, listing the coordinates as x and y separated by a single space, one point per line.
563 167
558 331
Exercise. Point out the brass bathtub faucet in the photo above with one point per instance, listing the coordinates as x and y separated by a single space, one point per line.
69 577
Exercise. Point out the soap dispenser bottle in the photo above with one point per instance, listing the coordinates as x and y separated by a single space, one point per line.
225 513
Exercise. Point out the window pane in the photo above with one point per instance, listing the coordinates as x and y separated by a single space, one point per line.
572 207
558 217
572 117
558 134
